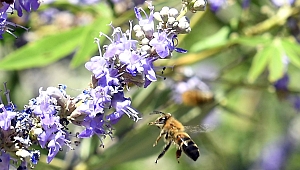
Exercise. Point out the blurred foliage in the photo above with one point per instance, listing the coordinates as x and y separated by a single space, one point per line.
244 48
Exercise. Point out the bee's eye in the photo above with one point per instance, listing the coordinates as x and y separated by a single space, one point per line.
162 120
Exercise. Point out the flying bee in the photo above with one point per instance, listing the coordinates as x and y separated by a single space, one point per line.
174 132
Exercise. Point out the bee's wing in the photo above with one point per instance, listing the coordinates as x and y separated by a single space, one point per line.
199 128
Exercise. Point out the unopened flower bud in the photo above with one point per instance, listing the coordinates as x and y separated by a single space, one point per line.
173 12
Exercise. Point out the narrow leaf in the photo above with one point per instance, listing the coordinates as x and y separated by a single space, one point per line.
292 50
252 41
276 65
43 51
218 39
259 63
87 47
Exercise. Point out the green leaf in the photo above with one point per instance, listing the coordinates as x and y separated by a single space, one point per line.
259 63
43 51
87 46
292 50
276 65
252 41
218 39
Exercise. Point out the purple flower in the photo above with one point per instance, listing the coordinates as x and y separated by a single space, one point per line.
48 15
122 106
59 139
3 19
99 99
27 5
282 84
147 24
280 3
90 113
275 155
53 136
94 125
162 44
120 43
23 166
35 156
19 5
215 5
132 60
98 66
297 103
49 106
6 117
149 72
246 3
15 127
5 158
45 105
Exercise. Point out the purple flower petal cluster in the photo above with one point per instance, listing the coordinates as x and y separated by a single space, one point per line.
19 6
282 83
15 129
90 113
5 158
50 107
26 5
3 18
280 3
274 155
6 116
215 5
129 60
297 103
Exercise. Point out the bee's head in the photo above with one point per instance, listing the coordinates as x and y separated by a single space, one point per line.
160 121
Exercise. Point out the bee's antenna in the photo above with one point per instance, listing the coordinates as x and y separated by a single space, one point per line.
157 112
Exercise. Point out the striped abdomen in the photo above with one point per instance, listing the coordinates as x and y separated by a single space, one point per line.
188 146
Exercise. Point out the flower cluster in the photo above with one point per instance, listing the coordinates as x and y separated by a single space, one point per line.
280 3
44 122
127 60
216 5
17 135
8 6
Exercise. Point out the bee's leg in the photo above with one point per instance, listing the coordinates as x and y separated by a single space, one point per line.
158 138
178 154
167 146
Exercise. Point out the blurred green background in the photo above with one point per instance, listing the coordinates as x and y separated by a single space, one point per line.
239 53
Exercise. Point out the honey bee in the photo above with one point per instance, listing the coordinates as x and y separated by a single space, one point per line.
174 132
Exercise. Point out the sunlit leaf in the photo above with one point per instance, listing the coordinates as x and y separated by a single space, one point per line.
87 47
217 39
43 51
252 41
259 63
276 65
292 51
